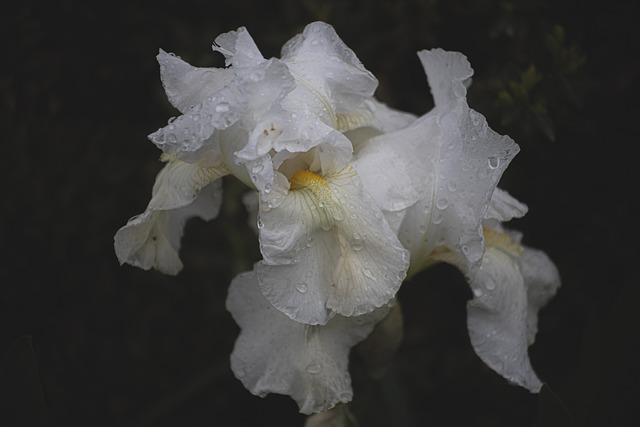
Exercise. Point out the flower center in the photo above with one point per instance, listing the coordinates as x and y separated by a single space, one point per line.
307 179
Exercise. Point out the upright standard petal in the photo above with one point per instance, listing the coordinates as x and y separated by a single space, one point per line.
332 82
181 191
463 162
275 354
327 248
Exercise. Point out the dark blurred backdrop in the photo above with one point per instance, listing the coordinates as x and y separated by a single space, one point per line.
117 346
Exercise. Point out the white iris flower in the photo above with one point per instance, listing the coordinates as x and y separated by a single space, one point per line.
349 196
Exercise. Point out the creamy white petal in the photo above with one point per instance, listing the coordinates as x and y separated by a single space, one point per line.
327 247
275 354
504 207
186 85
181 191
497 318
542 280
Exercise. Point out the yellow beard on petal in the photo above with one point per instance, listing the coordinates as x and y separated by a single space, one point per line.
307 179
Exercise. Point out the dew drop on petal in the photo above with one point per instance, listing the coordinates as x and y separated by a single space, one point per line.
442 203
223 107
313 368
490 285
477 292
494 162
302 287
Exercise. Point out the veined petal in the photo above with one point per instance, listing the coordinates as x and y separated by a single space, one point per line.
275 354
181 191
186 85
327 247
542 280
498 315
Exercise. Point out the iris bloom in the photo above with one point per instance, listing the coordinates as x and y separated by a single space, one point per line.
348 196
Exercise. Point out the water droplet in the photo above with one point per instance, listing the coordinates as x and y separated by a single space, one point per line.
368 274
313 368
442 203
257 168
223 107
294 115
452 186
172 138
465 250
302 287
356 245
260 224
314 42
196 117
477 292
494 162
490 285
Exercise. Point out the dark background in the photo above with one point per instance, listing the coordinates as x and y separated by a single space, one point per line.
116 346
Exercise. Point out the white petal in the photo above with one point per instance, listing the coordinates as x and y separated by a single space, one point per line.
326 248
394 166
497 318
447 73
465 162
504 207
238 48
186 85
331 80
275 354
319 55
260 87
542 280
181 191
